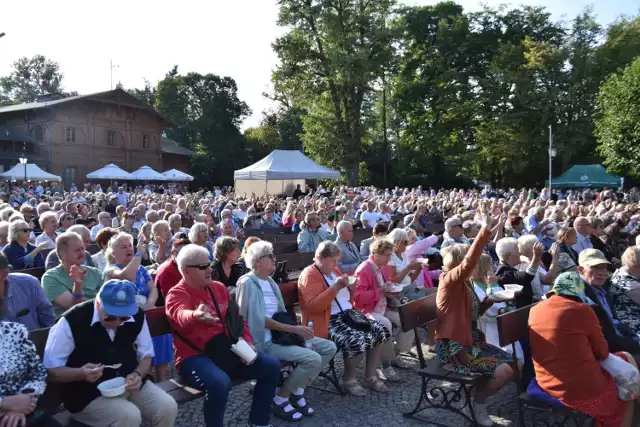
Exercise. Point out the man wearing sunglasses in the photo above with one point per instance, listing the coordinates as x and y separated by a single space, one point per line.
95 335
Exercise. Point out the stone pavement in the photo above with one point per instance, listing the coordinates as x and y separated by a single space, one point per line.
375 409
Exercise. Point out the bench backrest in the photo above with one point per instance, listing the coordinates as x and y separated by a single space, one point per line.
419 312
297 261
35 272
258 232
513 325
284 247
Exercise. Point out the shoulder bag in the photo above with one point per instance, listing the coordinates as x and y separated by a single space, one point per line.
352 318
218 348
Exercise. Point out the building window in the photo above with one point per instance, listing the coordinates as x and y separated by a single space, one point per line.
145 141
71 134
38 133
111 138
70 174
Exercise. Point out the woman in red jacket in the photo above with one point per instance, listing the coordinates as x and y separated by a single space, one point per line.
192 309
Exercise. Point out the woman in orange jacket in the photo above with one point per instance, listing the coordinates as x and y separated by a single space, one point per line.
325 300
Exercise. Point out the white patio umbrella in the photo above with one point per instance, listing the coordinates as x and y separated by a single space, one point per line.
32 173
176 175
111 171
145 173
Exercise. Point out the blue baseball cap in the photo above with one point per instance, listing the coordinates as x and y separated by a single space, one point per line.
118 298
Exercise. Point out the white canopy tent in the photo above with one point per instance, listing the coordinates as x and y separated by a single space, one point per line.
33 173
280 172
176 175
111 171
145 173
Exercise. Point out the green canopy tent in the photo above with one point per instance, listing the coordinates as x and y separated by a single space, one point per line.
591 176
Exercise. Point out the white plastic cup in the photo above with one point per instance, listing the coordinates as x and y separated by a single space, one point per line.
244 351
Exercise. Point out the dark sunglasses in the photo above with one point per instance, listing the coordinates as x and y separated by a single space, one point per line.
67 218
200 266
118 318
25 230
270 256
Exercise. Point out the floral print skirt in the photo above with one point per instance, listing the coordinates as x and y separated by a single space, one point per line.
479 359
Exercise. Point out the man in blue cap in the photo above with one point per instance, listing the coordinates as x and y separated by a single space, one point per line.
110 330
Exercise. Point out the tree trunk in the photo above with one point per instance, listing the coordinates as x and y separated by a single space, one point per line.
352 174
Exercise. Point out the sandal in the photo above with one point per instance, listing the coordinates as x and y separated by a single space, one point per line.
305 409
280 412
375 384
390 374
354 388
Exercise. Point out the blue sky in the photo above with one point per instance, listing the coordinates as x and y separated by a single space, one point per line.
146 38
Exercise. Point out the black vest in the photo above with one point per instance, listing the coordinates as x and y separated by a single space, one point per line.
93 345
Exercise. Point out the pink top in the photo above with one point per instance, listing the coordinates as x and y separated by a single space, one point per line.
416 250
368 293
288 222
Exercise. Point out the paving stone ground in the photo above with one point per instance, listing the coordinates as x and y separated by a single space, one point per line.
375 409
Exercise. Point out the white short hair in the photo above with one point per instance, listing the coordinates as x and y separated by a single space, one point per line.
150 213
526 242
158 224
47 216
113 244
397 234
506 246
341 225
189 254
104 215
257 251
14 226
195 229
80 229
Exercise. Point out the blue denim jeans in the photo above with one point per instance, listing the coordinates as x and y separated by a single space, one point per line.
203 374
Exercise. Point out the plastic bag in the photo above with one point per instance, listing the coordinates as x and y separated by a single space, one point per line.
625 375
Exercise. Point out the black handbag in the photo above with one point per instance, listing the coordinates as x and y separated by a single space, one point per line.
352 318
218 348
285 338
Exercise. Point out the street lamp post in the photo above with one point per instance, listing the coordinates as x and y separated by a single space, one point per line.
23 161
552 154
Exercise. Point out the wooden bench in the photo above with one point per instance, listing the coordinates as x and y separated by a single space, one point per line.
513 326
51 402
417 314
35 272
259 232
280 248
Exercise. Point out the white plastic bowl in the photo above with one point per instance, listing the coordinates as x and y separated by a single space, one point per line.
502 295
112 388
514 288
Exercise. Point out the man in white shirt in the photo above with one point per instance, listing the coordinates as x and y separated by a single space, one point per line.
241 212
583 230
104 220
368 217
123 197
110 330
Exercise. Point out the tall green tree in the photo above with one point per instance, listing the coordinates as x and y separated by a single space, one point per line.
206 114
618 122
30 78
329 59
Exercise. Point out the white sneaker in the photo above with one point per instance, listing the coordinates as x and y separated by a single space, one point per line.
480 412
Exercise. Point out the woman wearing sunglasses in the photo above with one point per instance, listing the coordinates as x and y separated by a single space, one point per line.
20 252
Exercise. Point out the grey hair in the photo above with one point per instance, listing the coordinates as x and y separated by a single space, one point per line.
47 216
341 225
505 246
63 240
156 225
150 213
113 244
452 222
526 242
397 234
6 213
104 215
326 249
79 228
16 217
14 227
256 252
42 207
189 254
174 217
195 229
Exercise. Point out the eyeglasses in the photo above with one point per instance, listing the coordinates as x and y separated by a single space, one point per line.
25 230
67 218
114 318
200 266
270 256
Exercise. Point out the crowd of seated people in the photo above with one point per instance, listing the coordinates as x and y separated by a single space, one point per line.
569 255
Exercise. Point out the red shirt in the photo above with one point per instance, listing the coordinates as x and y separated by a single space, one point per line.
168 276
180 304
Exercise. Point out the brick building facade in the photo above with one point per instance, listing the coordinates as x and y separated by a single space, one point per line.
71 137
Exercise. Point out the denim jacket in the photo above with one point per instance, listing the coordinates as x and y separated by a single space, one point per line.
250 299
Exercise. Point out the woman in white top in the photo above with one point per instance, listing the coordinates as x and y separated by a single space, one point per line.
404 272
48 222
543 282
484 282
